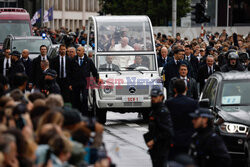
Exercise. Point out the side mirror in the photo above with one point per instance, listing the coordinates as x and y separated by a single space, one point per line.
204 103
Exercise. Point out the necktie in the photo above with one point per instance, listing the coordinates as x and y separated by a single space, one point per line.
62 68
109 69
43 58
7 67
210 71
81 61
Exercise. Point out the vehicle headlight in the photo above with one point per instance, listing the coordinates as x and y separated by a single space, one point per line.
107 89
233 128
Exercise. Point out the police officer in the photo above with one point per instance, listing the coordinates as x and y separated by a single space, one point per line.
207 148
233 63
158 139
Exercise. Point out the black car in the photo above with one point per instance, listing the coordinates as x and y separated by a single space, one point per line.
228 96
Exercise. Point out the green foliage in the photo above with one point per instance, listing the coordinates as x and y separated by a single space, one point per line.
159 11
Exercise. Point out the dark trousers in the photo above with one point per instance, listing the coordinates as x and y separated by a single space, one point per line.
64 86
158 160
177 150
81 102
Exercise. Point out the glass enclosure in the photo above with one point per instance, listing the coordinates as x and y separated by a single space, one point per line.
124 33
126 63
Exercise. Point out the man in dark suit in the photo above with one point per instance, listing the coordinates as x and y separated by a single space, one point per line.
27 62
206 70
190 82
171 69
192 60
36 66
47 81
109 66
162 59
180 106
61 64
138 63
5 63
80 69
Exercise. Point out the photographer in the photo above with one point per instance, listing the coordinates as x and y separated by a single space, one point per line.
69 40
48 82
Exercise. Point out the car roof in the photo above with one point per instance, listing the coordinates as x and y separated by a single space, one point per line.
232 75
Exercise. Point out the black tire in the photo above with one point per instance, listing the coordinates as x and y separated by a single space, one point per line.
101 114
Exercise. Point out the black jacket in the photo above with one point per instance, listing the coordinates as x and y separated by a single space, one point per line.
49 85
191 86
194 64
203 74
160 129
161 62
208 149
36 70
103 67
16 67
28 67
80 75
55 65
227 67
179 108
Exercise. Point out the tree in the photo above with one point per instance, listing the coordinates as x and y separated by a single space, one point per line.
159 11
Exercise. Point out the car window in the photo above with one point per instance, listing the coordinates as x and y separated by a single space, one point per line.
210 91
235 93
205 91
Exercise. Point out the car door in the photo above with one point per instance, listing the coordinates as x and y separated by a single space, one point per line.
210 91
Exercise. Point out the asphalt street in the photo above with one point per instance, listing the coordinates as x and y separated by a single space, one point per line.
124 141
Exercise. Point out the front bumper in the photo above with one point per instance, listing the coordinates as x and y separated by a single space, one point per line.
119 104
236 145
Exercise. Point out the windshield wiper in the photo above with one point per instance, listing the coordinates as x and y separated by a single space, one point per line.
234 105
140 71
119 72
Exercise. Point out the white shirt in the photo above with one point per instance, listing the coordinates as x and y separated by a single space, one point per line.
185 79
45 57
109 66
188 57
118 47
4 65
79 60
64 63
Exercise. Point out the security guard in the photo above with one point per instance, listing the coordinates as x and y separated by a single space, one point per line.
158 139
207 148
233 63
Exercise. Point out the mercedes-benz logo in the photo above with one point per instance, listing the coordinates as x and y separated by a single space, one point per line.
132 90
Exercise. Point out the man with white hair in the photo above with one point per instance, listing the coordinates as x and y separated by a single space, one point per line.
122 61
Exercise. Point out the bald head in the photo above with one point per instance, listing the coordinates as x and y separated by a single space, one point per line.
164 52
25 53
80 51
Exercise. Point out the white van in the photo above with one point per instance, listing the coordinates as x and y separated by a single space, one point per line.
126 60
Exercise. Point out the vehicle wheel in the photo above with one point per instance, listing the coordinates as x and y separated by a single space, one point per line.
100 114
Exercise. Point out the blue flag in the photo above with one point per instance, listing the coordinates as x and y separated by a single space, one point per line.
48 15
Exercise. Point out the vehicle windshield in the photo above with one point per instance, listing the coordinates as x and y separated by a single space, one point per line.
126 63
236 93
33 45
14 27
124 34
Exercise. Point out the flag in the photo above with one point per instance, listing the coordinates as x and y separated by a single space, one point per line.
36 17
48 15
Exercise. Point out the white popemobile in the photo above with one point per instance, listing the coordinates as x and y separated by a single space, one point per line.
126 59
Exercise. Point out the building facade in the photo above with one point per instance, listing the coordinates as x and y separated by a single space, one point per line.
71 14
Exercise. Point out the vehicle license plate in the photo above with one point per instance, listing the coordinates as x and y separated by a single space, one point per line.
132 99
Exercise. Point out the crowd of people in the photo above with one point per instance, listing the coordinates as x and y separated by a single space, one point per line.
39 126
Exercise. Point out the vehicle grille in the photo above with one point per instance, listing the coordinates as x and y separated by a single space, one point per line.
140 90
132 104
